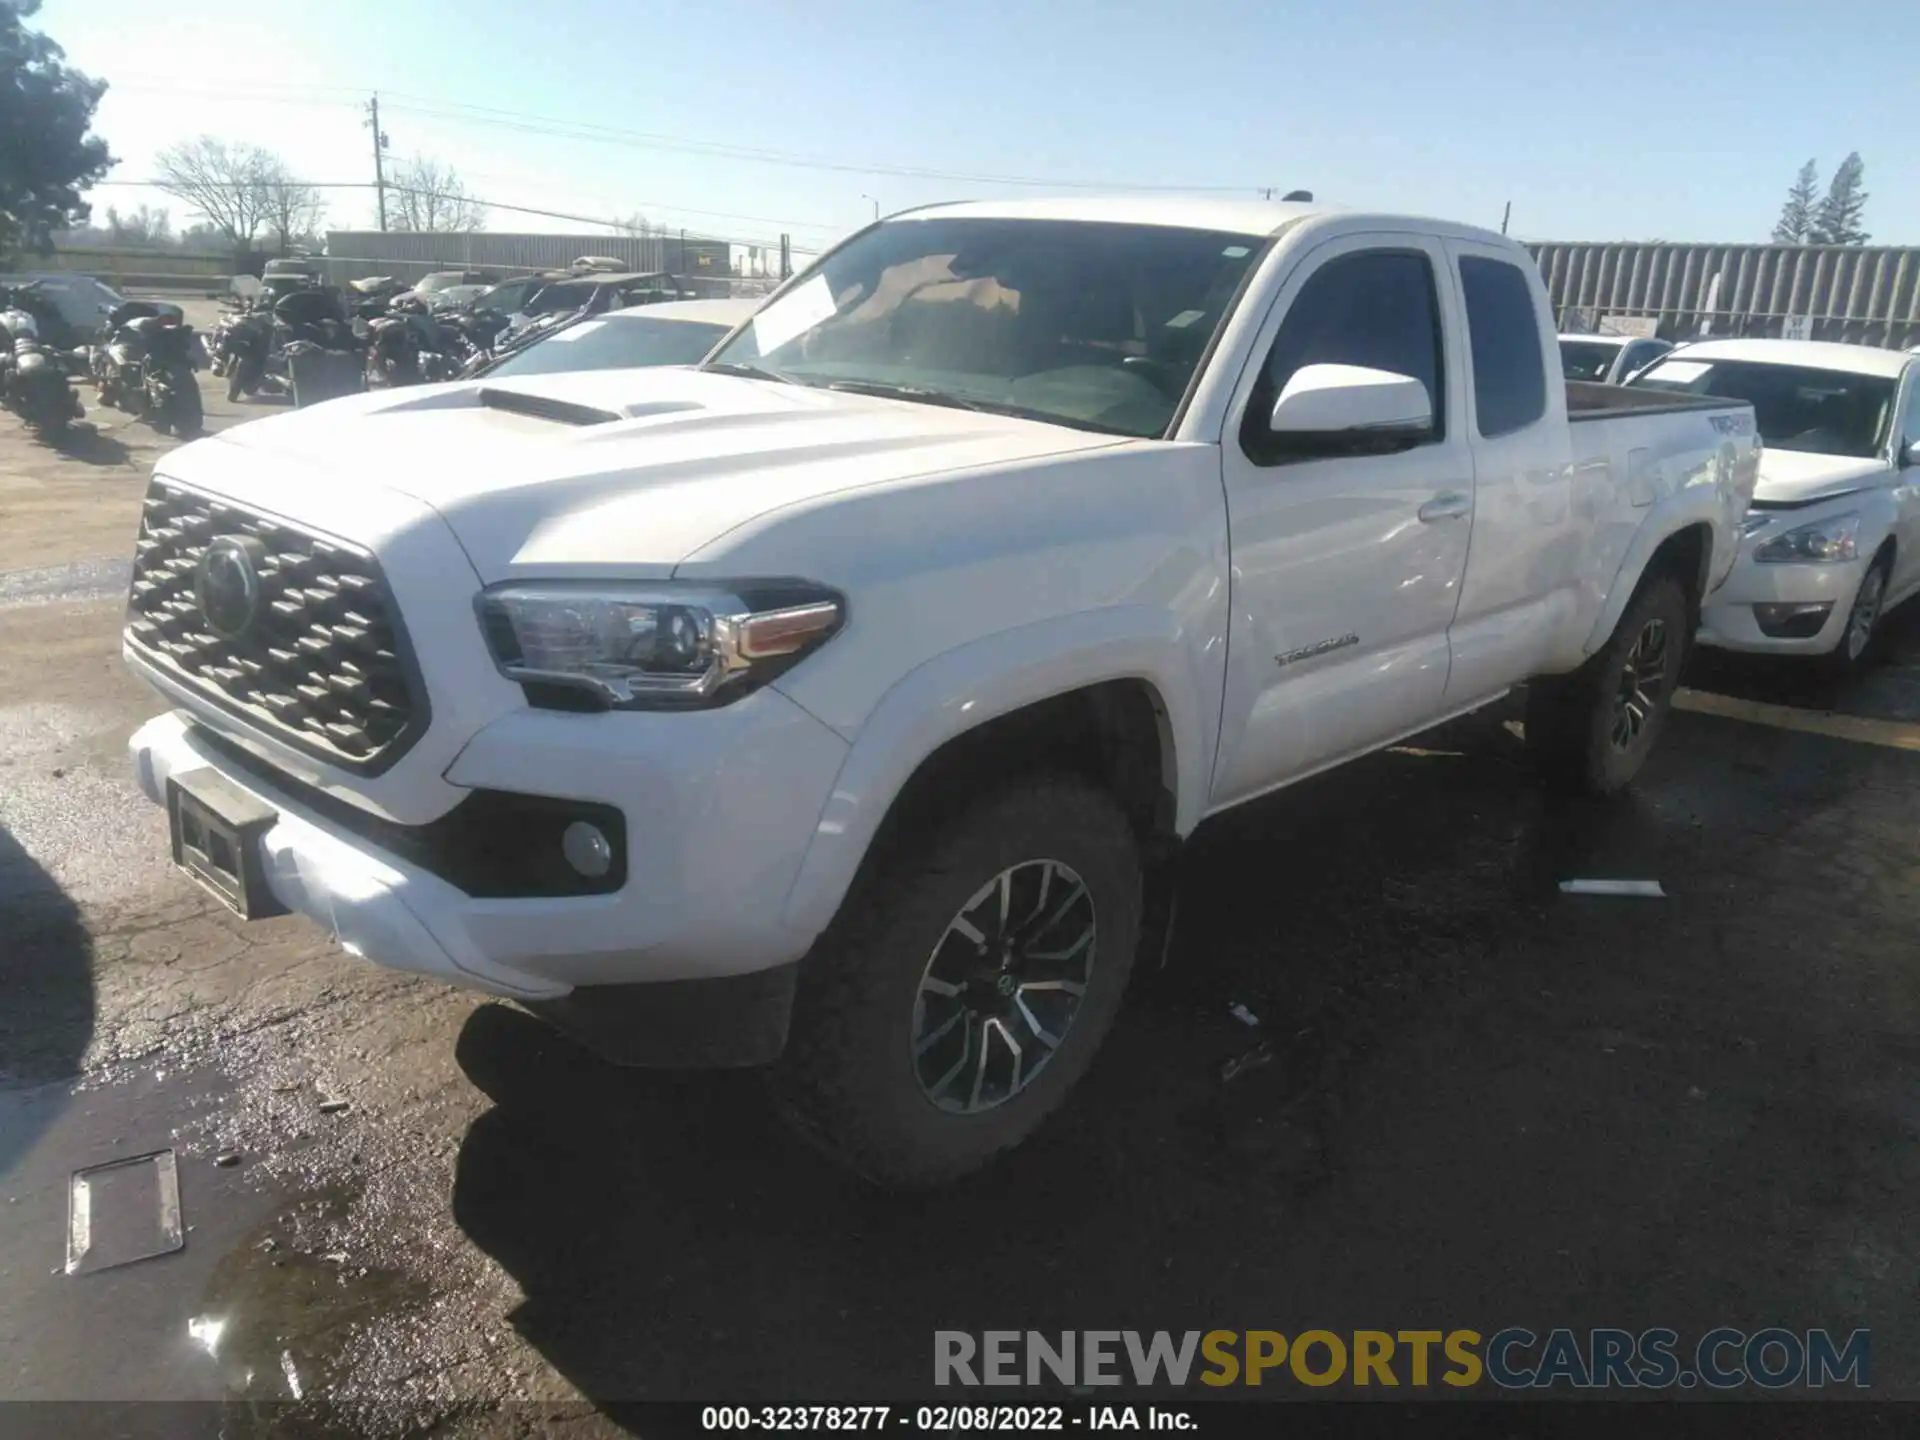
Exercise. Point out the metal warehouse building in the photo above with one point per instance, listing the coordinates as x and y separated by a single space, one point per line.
409 254
1863 294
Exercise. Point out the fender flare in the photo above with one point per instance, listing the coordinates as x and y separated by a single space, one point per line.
981 681
1686 507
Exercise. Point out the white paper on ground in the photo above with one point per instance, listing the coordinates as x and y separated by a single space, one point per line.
1613 887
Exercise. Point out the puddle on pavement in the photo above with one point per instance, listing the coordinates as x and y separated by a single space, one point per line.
280 1309
260 1303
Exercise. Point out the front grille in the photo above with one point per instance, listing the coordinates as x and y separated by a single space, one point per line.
323 665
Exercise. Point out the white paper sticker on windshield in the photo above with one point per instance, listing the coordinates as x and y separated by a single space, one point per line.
793 315
1680 370
1184 319
1236 252
574 332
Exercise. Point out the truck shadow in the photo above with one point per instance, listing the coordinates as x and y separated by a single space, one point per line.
47 1017
672 1241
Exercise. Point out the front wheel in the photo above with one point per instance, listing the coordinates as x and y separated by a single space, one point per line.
1591 731
971 974
184 410
1856 648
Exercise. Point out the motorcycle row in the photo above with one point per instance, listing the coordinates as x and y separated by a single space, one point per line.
143 363
311 342
295 337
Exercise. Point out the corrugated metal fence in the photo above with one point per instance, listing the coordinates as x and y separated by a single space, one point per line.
408 255
1863 294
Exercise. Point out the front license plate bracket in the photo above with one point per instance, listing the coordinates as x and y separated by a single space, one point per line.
216 828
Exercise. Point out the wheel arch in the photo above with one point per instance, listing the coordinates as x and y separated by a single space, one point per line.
1684 551
1109 695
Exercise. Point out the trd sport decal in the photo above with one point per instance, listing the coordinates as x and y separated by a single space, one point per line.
1319 647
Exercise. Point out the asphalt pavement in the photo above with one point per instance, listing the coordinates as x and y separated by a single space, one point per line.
1467 1099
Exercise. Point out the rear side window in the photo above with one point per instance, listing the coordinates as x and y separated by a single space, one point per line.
1376 308
1509 378
1911 427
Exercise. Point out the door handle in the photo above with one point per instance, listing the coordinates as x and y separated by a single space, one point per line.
1447 505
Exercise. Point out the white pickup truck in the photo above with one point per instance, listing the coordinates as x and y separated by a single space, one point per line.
1833 540
837 705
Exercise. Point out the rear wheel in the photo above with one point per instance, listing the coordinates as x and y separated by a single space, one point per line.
966 983
1591 731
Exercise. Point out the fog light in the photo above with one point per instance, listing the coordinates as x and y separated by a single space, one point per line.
587 849
1792 622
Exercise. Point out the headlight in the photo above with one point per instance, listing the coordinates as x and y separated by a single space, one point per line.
1821 543
655 646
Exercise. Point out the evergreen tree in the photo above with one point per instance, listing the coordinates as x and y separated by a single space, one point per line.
1796 216
1837 221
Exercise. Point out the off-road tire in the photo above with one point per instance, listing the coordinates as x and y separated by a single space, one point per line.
847 1080
1570 718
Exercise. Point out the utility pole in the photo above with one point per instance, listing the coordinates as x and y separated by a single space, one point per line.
379 166
1266 192
1505 216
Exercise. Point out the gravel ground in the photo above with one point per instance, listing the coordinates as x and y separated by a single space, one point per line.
1470 1100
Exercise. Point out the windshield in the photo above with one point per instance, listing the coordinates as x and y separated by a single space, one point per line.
1828 412
615 345
1098 326
556 299
1587 359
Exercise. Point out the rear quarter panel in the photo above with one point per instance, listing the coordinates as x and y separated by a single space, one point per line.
1640 478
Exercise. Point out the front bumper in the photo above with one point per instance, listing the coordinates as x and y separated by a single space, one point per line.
719 807
1729 620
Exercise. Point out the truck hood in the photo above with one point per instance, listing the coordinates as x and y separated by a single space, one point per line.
627 471
1799 477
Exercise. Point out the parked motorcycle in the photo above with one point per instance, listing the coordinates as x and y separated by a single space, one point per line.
33 377
146 367
411 345
304 321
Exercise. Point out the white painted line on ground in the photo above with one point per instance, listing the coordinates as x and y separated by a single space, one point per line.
1895 734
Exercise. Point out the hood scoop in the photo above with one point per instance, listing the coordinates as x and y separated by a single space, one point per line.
545 407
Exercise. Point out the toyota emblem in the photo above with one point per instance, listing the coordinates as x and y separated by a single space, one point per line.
228 584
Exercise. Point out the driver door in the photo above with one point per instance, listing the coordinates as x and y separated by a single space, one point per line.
1346 568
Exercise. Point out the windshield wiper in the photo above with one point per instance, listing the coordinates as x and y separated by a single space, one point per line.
751 372
891 390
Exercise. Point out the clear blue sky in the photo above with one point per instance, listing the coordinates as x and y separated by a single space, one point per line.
1631 120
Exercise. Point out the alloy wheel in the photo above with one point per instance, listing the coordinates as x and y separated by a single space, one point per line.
1865 613
1002 986
1642 676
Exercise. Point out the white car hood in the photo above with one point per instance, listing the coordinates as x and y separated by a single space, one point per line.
694 456
1795 477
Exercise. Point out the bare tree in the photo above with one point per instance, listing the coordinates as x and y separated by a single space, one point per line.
291 209
221 182
636 224
145 226
429 196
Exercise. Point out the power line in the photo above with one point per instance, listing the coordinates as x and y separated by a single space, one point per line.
600 220
601 134
461 112
638 204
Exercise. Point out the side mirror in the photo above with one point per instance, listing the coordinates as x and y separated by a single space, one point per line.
1911 455
1352 404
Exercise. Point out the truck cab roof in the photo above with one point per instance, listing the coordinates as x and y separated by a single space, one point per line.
1243 217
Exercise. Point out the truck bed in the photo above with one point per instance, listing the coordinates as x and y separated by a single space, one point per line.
1590 400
